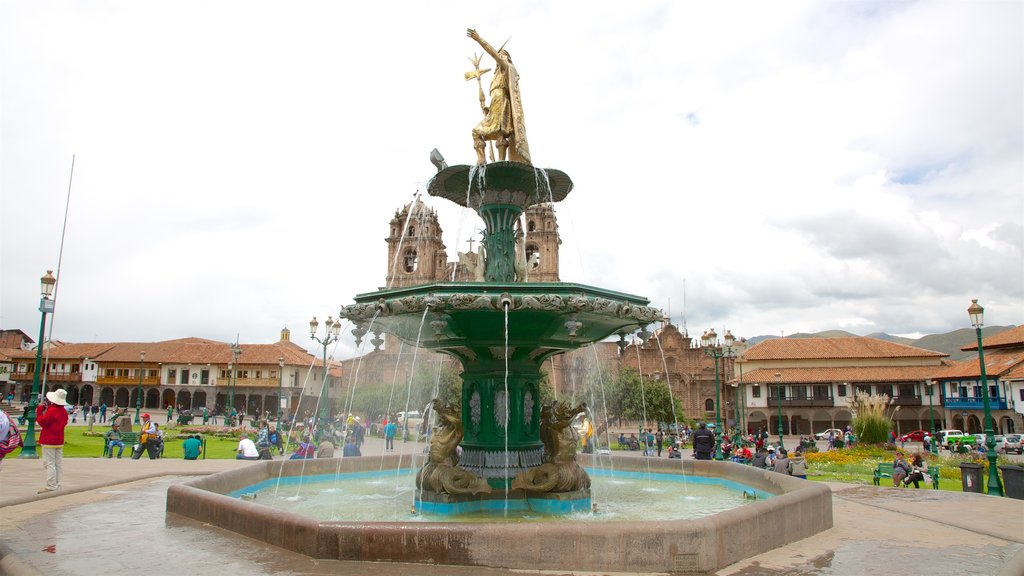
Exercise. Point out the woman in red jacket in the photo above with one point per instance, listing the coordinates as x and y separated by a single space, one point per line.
52 417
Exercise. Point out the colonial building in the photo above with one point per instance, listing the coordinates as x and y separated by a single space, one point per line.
813 379
672 355
185 373
961 388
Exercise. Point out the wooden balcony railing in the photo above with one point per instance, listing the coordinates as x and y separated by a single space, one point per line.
127 380
50 377
800 402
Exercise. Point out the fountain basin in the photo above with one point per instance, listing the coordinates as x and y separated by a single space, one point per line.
796 510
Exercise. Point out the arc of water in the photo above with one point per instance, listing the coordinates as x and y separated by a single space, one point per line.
408 398
675 417
643 402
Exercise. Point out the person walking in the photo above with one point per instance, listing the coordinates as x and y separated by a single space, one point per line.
103 412
52 417
389 435
659 438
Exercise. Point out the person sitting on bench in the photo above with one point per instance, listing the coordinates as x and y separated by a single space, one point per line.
918 472
113 438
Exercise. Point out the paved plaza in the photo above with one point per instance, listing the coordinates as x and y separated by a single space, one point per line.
110 518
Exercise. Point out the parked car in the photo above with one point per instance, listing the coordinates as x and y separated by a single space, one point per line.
954 438
940 436
915 436
824 435
1012 443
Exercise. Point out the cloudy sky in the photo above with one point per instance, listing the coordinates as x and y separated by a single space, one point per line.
799 166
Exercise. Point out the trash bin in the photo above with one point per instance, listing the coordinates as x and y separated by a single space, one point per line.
1013 481
970 477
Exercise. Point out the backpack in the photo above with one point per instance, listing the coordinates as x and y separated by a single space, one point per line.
12 442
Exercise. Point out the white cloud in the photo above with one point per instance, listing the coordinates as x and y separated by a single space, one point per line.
806 166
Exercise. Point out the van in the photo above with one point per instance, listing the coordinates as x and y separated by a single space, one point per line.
411 421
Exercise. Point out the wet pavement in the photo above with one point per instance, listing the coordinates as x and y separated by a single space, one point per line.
110 518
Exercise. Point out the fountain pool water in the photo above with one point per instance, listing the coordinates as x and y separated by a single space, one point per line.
793 509
380 496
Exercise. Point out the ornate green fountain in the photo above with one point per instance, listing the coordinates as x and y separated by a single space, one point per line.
502 330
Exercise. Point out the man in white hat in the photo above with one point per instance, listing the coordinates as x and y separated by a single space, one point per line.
52 417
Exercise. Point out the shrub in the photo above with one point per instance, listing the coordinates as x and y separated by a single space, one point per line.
870 424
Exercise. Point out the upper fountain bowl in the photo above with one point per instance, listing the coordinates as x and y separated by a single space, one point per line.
500 183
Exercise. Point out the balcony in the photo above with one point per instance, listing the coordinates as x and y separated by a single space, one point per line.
126 381
957 403
250 382
50 377
773 402
906 400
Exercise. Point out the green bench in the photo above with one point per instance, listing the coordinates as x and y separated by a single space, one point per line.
884 470
129 438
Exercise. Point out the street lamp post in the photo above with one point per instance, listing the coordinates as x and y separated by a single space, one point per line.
778 400
932 445
138 391
715 351
236 351
995 486
28 450
332 329
280 388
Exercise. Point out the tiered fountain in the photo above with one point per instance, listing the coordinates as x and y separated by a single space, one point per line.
502 330
514 452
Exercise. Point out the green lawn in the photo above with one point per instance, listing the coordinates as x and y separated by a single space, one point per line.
77 444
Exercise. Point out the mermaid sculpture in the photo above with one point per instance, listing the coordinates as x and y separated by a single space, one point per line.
559 472
441 473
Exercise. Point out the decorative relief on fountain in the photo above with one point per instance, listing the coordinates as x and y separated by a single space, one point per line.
527 408
470 302
501 409
541 302
560 472
502 353
474 410
441 473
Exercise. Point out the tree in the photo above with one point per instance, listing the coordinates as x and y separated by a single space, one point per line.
633 399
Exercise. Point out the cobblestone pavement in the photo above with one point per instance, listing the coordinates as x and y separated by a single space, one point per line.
111 519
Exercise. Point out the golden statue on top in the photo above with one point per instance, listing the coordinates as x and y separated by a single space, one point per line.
503 122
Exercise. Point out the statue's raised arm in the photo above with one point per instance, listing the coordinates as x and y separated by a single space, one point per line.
503 121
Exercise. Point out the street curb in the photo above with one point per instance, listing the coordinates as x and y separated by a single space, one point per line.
96 486
13 565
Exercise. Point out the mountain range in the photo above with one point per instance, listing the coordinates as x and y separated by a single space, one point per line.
947 343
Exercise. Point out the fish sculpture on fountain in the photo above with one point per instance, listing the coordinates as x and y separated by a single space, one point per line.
441 473
560 472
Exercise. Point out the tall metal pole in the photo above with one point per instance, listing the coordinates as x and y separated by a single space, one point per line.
280 388
932 445
778 399
717 354
138 391
995 485
28 450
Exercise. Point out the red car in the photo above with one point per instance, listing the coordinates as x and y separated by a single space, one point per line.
915 436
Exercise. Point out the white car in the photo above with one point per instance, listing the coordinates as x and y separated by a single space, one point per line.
824 435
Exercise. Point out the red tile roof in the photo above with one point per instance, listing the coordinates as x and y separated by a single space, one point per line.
998 363
65 351
1012 338
822 348
851 374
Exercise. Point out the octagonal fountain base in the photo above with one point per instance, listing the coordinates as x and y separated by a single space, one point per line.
797 509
